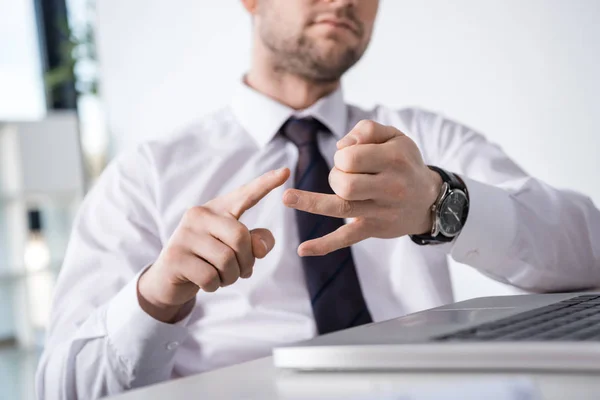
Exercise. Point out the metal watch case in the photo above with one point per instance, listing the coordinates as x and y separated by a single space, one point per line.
445 195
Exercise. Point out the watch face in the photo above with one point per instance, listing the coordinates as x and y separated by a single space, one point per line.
452 213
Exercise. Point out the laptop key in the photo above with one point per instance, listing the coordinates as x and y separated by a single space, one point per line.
571 320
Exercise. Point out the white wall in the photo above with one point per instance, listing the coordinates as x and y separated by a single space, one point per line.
21 85
525 73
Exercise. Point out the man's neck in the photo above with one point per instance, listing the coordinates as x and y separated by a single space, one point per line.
291 90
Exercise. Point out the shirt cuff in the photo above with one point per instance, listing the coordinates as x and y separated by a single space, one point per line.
486 239
143 343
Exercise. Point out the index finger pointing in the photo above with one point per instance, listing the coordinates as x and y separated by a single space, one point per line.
247 196
326 204
344 236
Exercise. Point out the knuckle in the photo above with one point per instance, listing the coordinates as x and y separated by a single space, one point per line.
346 188
230 280
246 268
346 159
341 185
226 256
229 276
366 126
245 262
212 276
194 213
346 208
398 157
238 208
210 289
240 235
332 177
211 280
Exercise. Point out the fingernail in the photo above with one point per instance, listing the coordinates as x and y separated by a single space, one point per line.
264 244
290 198
346 141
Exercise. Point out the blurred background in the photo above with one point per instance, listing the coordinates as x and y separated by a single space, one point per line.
81 81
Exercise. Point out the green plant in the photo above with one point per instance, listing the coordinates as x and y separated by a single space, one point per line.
78 52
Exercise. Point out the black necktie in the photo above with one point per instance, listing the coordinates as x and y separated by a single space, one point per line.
333 285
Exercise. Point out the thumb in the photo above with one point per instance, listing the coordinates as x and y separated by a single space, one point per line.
262 242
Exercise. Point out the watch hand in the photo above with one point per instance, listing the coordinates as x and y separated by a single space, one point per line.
455 214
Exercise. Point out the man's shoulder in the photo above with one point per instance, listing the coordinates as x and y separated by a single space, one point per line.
201 132
197 138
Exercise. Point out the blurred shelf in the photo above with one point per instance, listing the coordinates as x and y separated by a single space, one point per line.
66 196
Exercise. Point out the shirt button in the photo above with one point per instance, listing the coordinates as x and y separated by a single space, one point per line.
172 345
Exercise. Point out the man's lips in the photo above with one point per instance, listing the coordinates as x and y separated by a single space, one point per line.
338 23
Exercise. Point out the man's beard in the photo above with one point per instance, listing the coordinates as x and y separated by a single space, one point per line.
300 55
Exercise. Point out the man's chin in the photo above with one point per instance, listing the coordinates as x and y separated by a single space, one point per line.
332 50
327 70
336 60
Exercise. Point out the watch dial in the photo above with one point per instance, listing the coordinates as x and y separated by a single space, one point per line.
452 213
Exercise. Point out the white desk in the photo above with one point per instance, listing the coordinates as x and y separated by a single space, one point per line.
260 380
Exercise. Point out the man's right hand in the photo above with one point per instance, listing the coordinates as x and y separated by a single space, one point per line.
209 249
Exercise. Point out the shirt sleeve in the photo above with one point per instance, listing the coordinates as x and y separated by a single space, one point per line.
519 230
100 342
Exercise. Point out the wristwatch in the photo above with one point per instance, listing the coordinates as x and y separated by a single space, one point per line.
449 212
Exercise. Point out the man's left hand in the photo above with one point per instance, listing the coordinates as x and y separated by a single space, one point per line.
380 181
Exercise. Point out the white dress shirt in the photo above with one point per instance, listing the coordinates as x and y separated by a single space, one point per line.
519 231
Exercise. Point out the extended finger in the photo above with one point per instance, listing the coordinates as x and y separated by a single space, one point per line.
345 236
247 196
326 204
367 131
363 159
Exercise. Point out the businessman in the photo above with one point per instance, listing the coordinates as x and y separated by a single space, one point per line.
290 213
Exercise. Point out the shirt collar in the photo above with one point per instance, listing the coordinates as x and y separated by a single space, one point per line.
262 116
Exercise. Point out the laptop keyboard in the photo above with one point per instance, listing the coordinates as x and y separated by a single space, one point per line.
576 319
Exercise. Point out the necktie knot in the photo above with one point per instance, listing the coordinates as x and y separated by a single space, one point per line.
302 131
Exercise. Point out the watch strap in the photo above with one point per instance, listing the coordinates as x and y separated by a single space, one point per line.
449 178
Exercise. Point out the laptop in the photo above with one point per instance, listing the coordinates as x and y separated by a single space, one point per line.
542 332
